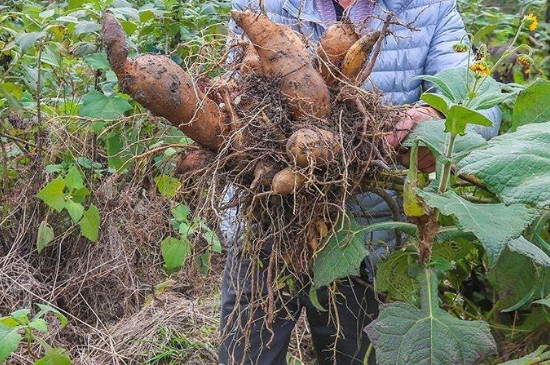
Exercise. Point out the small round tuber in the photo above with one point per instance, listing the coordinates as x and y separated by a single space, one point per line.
287 182
315 146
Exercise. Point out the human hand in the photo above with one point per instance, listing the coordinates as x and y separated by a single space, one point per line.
426 161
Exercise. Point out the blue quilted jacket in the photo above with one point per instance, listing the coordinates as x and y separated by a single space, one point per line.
424 48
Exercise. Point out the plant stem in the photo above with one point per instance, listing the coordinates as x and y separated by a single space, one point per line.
444 182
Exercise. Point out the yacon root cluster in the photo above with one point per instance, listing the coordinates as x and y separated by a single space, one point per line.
288 133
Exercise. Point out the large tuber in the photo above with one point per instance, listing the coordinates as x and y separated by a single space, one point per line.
315 146
333 46
283 54
164 88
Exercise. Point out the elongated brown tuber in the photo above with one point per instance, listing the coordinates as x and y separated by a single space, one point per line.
314 146
283 54
164 88
287 182
333 46
194 159
357 55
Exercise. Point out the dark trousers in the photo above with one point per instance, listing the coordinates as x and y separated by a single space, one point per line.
337 333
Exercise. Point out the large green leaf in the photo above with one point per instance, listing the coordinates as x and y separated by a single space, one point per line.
495 225
533 105
432 134
346 248
53 194
96 105
89 224
454 83
405 334
167 185
515 166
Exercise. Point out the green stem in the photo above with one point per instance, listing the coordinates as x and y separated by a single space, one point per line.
444 182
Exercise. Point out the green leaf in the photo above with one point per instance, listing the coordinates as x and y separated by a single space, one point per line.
454 85
53 194
75 210
168 186
96 105
89 225
39 324
79 196
86 26
495 225
212 239
405 334
432 135
439 102
181 213
346 248
45 309
54 357
515 166
532 105
10 339
392 277
174 253
545 302
27 40
523 247
98 61
539 357
45 236
515 278
74 178
459 117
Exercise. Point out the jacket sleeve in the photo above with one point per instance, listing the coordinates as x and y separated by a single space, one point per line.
450 30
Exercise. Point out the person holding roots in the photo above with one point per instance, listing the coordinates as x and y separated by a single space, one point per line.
421 44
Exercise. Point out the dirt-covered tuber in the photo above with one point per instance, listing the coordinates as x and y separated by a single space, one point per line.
283 55
164 88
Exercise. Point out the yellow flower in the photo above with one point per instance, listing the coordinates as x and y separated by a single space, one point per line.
531 22
481 68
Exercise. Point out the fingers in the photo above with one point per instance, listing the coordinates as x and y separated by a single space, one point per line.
402 130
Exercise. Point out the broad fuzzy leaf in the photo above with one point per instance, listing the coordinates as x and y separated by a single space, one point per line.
533 105
346 248
405 334
523 247
515 166
495 225
432 135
